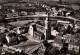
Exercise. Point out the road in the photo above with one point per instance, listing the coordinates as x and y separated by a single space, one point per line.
43 16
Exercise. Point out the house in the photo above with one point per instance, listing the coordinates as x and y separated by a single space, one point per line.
37 31
41 29
32 28
38 35
67 38
58 43
74 47
74 44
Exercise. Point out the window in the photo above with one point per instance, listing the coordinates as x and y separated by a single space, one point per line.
76 48
70 47
70 40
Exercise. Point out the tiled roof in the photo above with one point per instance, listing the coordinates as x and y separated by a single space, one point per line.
77 16
75 43
75 7
38 32
57 40
42 23
74 40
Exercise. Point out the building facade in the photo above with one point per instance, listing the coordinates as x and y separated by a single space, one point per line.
38 35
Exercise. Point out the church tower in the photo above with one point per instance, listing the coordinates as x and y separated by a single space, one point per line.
48 28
